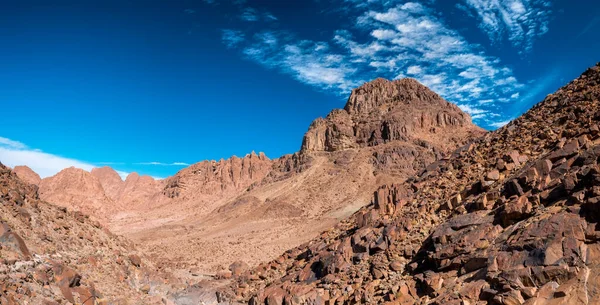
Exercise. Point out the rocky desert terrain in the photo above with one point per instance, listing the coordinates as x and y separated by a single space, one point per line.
510 218
397 198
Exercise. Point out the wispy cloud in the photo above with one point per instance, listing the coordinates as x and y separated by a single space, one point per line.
249 14
519 21
500 123
12 144
189 11
588 27
394 42
232 38
163 164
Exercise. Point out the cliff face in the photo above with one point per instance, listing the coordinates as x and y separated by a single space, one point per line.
218 177
511 218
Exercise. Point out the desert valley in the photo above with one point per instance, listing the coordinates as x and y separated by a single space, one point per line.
398 198
268 152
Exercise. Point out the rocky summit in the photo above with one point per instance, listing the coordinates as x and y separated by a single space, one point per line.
382 111
511 218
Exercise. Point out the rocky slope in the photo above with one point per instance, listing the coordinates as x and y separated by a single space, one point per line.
511 218
49 255
252 209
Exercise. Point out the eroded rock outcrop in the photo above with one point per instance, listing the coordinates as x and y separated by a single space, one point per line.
218 177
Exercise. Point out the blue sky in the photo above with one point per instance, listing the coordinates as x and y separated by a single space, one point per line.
151 86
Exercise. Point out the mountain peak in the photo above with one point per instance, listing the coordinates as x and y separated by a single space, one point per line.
381 91
381 111
110 180
27 174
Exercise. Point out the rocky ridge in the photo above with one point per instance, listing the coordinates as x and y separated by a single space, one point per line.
508 219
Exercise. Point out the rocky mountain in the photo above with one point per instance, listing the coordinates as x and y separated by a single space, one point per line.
100 193
383 111
51 255
137 191
79 190
27 174
252 209
510 218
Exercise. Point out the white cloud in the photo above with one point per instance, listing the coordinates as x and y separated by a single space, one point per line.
472 110
163 164
14 153
269 17
520 21
12 144
414 70
483 102
499 123
44 164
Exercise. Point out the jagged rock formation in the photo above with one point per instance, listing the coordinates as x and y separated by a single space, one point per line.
49 255
27 174
508 219
218 178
